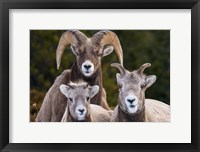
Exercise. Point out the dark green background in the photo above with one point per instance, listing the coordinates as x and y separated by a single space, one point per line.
139 47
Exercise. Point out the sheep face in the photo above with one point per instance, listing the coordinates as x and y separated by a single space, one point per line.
89 56
78 98
89 51
132 86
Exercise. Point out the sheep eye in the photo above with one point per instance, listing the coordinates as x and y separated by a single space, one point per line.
87 98
142 85
70 99
119 86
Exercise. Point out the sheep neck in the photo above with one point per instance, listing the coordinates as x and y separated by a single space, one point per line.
136 117
95 79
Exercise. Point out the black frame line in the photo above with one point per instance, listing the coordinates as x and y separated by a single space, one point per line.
5 5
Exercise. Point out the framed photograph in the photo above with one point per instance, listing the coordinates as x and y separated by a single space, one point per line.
100 76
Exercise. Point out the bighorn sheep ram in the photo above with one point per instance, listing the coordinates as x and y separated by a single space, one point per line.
132 105
78 104
87 67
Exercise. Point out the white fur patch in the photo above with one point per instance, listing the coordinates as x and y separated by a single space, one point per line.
78 83
87 71
131 103
80 115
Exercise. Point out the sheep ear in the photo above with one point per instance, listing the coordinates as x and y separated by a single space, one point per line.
119 79
118 76
64 89
149 80
93 90
108 50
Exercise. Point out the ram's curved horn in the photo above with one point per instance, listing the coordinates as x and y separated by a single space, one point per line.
109 38
73 37
120 67
143 67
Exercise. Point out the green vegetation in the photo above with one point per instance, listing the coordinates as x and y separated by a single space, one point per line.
139 46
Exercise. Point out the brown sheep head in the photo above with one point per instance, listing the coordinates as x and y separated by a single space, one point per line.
132 86
89 51
78 98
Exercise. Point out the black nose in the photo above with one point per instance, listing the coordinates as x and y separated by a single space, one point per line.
81 110
87 66
130 100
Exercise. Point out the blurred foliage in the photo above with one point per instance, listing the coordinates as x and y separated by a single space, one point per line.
139 47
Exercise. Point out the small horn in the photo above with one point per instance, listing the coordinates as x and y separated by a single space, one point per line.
109 38
120 67
73 37
143 67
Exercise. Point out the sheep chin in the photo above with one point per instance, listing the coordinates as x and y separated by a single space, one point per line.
80 118
87 74
132 110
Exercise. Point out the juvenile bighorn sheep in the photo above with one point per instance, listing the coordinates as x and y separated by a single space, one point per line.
78 104
87 67
132 105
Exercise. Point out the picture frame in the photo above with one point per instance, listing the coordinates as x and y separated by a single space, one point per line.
5 5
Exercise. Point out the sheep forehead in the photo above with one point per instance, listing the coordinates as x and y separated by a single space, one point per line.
89 47
132 78
78 93
79 88
79 98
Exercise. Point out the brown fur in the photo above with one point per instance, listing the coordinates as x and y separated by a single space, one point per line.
54 104
157 111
